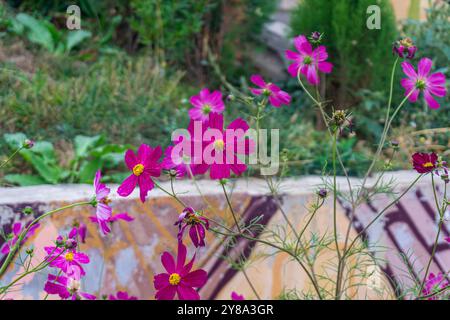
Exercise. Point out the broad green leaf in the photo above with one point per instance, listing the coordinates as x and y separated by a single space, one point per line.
83 144
45 149
74 38
50 172
24 179
14 140
37 31
88 169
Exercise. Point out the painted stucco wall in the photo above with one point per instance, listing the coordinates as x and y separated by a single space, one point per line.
130 257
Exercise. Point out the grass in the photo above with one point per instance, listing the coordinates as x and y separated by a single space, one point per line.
129 100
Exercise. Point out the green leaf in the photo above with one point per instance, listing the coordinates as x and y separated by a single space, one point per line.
51 173
45 149
83 144
37 32
76 37
88 169
24 179
14 140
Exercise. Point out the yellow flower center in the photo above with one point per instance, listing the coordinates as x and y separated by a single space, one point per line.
428 165
174 279
69 256
206 109
219 145
138 169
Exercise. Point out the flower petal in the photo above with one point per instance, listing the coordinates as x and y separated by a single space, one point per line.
167 293
127 186
161 281
432 103
196 279
408 69
424 67
168 262
187 293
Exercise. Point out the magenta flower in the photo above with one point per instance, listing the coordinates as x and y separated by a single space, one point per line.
179 278
14 236
79 231
434 283
222 150
204 103
277 97
120 216
122 295
237 297
103 211
308 61
424 162
422 81
144 166
188 158
68 261
197 226
66 288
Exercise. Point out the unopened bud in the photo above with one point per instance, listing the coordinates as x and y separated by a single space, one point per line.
28 210
28 144
322 193
71 244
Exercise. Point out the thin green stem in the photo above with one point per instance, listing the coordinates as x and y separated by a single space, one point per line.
386 126
436 240
381 213
240 231
173 195
25 232
4 163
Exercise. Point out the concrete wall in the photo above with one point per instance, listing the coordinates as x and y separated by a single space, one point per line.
131 256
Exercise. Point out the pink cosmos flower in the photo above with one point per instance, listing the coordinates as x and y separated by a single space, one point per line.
79 231
197 226
434 283
308 61
144 166
103 211
447 239
120 216
189 157
429 162
237 297
122 295
422 81
14 236
277 97
179 278
69 261
66 288
204 103
221 165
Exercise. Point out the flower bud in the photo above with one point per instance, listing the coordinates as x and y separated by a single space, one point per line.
316 37
29 251
322 193
173 173
28 210
60 241
28 144
230 97
404 48
71 244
